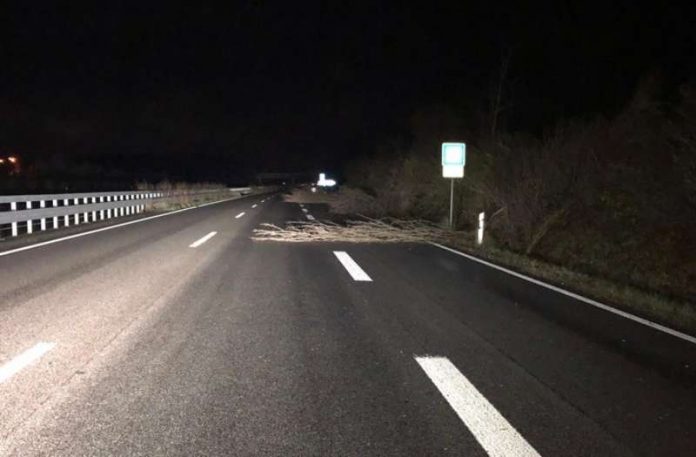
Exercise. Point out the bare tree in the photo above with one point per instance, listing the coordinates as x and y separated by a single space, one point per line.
535 184
499 92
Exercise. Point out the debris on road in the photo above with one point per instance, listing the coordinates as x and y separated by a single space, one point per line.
356 231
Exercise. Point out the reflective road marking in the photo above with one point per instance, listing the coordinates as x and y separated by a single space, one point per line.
353 268
489 427
195 244
15 365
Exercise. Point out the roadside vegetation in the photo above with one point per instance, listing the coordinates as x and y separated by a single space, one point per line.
603 206
183 195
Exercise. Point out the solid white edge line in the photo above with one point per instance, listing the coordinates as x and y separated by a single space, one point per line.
239 215
197 243
110 227
589 301
24 359
357 273
492 431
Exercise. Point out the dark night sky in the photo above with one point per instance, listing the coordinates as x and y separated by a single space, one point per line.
295 85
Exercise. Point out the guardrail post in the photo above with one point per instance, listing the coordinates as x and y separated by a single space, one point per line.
94 213
66 202
13 207
101 211
77 215
55 218
30 223
42 204
85 215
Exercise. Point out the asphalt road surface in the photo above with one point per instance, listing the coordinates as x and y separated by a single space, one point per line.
181 336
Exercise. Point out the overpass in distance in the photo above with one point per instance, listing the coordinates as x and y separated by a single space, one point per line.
178 334
275 178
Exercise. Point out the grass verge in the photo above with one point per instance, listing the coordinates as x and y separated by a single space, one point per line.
677 314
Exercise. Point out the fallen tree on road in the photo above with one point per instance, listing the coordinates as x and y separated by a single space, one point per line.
357 231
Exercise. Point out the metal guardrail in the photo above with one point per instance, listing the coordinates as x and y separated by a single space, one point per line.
52 211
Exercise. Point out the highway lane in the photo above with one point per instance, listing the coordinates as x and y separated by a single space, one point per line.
235 347
82 292
624 383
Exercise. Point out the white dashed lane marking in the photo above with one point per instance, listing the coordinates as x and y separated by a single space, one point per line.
357 273
24 359
197 243
495 434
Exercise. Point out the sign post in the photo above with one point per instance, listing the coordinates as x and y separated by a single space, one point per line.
453 162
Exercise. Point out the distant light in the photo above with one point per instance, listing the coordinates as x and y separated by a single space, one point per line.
2 160
12 159
323 182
